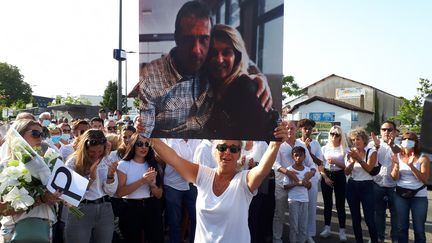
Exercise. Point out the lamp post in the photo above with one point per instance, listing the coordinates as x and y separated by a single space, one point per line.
119 81
126 94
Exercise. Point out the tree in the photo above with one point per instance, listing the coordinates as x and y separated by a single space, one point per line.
12 86
109 98
290 87
411 111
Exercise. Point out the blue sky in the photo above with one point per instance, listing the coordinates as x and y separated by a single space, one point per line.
385 43
65 47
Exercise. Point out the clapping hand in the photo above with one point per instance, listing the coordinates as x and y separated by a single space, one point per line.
149 177
411 160
112 169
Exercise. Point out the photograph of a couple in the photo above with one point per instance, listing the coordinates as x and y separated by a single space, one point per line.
207 85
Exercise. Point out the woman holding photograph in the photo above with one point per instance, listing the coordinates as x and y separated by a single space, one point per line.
237 112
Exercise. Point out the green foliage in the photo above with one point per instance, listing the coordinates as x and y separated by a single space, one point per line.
69 100
136 102
411 111
12 86
290 87
375 124
109 98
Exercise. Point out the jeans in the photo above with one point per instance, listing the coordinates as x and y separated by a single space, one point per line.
418 207
384 198
362 192
174 201
339 187
97 223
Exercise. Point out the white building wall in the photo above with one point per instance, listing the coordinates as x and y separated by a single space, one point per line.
342 115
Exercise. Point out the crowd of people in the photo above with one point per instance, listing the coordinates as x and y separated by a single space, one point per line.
150 190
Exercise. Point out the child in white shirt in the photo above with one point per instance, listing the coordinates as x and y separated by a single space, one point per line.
298 197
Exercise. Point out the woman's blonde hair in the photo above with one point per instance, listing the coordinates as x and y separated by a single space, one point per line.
230 34
343 142
91 137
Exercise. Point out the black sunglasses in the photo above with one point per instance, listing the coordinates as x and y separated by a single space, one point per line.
232 148
141 144
99 141
111 128
387 129
36 133
335 134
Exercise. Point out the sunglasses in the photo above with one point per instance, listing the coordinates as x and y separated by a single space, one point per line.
335 134
232 148
66 131
141 144
92 142
111 128
36 133
387 129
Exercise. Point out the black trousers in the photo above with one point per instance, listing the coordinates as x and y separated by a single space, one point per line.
339 185
140 218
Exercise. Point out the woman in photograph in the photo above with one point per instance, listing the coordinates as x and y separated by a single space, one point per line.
411 171
224 193
237 112
89 161
140 185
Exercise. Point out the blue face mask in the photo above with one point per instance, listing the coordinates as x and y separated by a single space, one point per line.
45 123
65 137
55 138
115 117
409 144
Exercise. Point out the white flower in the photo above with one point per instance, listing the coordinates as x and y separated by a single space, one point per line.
19 199
9 177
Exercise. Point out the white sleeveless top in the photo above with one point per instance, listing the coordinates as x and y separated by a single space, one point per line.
408 180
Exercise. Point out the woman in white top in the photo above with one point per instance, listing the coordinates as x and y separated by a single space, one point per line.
140 185
43 208
359 189
411 171
224 193
89 161
334 179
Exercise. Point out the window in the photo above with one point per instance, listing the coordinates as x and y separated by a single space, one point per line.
270 45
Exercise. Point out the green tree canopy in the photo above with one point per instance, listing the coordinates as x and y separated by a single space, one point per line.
12 86
109 98
290 87
411 111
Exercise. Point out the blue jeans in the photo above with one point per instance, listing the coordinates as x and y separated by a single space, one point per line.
384 198
361 192
418 207
174 201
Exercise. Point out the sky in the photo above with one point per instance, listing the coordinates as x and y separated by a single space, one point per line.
385 43
65 47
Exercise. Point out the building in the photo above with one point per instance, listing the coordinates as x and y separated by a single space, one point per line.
362 102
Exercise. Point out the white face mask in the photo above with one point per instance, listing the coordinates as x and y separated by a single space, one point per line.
409 144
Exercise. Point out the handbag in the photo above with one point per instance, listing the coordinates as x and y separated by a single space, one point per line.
408 193
31 230
376 169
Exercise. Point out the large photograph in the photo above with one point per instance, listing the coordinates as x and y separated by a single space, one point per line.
207 69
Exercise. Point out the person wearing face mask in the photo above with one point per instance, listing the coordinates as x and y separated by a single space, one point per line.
411 172
45 121
55 134
66 133
384 185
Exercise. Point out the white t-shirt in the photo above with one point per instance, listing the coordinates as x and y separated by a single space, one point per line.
134 171
256 153
222 218
335 153
384 153
297 193
358 173
204 154
185 150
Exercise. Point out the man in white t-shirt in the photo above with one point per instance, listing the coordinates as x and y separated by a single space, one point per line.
179 192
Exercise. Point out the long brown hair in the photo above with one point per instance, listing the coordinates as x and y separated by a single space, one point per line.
91 137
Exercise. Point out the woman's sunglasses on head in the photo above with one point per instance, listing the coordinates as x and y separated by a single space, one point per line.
232 148
93 142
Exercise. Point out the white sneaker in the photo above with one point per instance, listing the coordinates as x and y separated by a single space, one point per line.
326 232
342 235
310 240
